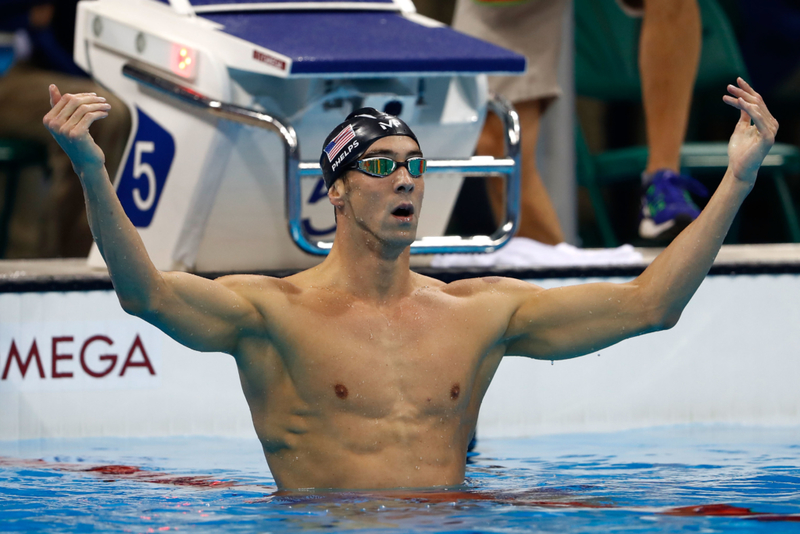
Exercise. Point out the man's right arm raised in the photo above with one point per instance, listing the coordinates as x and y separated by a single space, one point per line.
202 314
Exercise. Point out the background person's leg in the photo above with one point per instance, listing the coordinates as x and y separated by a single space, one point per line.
669 53
533 29
538 218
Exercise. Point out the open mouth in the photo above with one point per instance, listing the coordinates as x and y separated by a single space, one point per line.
403 211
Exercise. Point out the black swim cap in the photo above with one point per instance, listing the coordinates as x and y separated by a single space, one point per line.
348 141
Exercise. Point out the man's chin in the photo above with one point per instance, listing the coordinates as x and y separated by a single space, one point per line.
401 238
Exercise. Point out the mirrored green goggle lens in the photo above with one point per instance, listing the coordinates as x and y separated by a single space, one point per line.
386 166
416 166
377 166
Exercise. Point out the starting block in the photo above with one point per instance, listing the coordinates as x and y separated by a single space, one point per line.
223 95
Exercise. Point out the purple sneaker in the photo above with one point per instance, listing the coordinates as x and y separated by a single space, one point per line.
667 206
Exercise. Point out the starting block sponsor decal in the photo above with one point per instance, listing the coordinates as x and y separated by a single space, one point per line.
146 169
45 356
269 59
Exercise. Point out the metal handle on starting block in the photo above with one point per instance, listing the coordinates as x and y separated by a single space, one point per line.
510 167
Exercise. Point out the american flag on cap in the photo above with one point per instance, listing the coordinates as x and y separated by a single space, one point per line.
339 142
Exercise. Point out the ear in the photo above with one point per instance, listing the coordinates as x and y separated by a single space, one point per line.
336 194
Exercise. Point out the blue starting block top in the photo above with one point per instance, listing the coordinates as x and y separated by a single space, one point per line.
312 4
364 43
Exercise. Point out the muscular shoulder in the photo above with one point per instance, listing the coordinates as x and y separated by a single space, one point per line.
253 287
490 286
488 304
501 297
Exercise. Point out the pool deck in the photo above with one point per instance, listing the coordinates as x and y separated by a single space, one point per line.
74 274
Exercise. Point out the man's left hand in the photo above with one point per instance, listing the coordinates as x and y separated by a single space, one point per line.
749 143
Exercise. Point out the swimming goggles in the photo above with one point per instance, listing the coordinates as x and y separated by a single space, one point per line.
381 167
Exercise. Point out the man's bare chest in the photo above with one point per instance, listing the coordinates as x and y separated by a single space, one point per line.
374 361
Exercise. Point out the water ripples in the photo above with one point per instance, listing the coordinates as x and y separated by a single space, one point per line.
666 480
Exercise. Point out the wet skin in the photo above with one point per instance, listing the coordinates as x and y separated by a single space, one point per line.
354 389
370 395
361 374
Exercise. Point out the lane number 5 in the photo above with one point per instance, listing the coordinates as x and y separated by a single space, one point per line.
146 169
142 168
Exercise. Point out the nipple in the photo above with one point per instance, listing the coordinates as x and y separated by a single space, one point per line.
455 391
340 390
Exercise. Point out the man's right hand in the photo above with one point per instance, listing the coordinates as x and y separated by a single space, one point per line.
68 121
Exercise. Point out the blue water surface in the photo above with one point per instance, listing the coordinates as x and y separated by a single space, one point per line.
630 481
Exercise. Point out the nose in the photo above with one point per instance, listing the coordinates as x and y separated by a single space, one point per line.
403 181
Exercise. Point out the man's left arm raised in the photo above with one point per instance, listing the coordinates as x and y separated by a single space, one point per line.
572 321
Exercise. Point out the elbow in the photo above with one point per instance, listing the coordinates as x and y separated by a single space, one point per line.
662 316
141 304
141 298
667 320
136 306
659 315
658 310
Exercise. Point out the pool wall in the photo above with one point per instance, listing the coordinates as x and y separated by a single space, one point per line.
734 357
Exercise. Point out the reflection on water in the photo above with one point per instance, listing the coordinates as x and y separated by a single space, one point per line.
418 509
665 479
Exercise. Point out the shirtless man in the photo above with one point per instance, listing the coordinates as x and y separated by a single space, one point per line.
359 373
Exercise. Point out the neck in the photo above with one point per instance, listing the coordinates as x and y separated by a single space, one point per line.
368 269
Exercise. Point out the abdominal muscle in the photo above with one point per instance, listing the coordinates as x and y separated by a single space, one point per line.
344 451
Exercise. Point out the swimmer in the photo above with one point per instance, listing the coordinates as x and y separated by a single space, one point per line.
359 373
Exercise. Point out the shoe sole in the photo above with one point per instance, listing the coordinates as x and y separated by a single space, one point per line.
666 231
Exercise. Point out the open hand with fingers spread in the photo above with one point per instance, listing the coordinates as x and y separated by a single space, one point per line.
68 121
749 143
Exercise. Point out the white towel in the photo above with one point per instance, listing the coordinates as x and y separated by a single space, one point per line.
521 253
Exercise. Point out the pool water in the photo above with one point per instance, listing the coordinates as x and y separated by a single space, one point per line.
671 479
